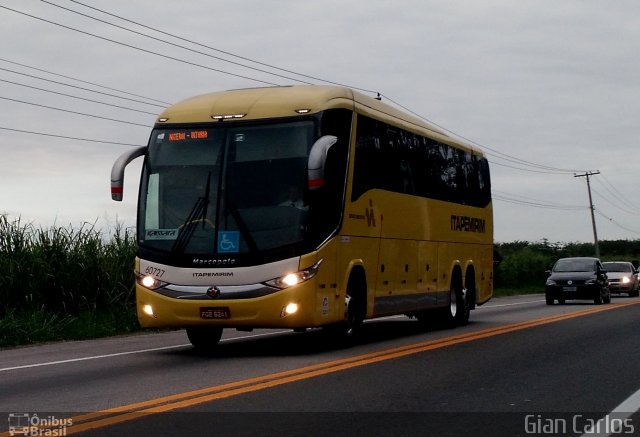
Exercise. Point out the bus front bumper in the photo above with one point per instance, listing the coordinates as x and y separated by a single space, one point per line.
294 307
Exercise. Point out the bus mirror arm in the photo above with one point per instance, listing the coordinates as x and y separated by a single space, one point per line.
117 171
317 159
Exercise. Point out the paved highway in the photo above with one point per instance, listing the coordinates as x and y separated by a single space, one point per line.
519 368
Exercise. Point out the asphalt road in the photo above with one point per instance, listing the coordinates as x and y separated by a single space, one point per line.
519 368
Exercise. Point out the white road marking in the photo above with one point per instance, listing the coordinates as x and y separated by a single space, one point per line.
512 304
141 351
95 357
618 421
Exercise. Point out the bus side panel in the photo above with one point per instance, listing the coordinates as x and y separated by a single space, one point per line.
360 251
360 243
397 276
484 275
406 270
450 255
329 306
427 267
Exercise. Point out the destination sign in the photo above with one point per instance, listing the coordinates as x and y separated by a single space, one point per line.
188 135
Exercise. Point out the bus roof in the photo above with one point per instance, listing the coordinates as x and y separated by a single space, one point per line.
288 101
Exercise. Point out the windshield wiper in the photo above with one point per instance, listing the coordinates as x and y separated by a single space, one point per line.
197 214
207 192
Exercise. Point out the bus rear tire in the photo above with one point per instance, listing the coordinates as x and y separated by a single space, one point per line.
204 338
458 310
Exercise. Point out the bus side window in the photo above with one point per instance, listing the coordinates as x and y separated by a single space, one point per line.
407 177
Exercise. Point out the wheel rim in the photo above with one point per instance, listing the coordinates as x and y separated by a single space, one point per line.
349 315
453 302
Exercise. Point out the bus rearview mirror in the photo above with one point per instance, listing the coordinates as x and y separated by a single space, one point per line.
317 160
117 171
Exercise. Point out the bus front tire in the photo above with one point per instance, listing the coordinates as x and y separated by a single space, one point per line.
355 309
355 303
204 338
353 318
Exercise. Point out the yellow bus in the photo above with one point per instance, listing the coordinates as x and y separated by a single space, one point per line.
306 206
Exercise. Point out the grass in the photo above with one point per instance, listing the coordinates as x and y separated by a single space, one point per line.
30 327
64 283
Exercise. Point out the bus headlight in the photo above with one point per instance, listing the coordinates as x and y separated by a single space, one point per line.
149 282
296 278
293 279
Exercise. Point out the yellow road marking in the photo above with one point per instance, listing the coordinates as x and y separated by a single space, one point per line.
136 410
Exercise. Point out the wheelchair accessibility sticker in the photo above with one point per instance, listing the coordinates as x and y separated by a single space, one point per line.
228 241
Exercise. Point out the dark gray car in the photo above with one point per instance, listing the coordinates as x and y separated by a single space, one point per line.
577 278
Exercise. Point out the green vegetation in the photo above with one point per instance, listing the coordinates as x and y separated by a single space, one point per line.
70 283
64 283
523 264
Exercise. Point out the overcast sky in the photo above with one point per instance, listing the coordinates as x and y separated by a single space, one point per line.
549 89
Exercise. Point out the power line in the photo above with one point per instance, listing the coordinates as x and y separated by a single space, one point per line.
523 169
616 193
203 45
222 51
164 104
528 201
67 137
169 42
76 97
531 202
615 205
616 223
164 56
78 87
74 112
500 154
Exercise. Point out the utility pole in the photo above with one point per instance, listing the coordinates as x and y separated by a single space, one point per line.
593 218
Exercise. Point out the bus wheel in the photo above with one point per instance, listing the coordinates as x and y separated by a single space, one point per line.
355 303
355 308
204 338
353 320
458 309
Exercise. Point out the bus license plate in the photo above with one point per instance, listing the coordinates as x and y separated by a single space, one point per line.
215 312
570 289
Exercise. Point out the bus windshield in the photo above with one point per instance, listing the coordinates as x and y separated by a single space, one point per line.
225 190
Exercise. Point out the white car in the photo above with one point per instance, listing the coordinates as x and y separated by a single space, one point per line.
623 277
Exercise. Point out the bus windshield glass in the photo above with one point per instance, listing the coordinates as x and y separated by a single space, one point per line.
225 190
